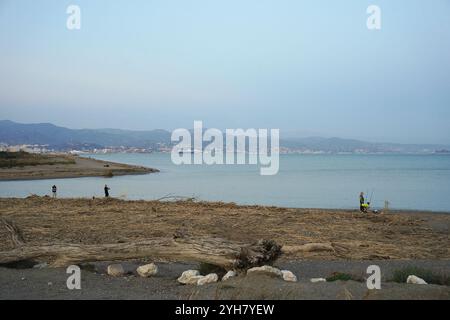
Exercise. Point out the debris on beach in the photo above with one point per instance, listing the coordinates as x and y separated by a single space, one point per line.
215 236
228 275
189 277
194 277
210 278
115 270
308 247
316 280
40 265
289 276
412 279
267 270
147 270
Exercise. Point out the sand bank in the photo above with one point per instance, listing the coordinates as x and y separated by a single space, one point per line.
68 166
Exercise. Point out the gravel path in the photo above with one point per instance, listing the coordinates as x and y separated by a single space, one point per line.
49 283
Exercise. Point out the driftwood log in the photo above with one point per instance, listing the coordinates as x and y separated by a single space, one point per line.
216 251
14 232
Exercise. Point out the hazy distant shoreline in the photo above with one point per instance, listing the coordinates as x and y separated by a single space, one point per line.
49 137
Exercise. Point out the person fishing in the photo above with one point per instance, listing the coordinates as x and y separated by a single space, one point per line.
106 191
366 207
54 189
361 202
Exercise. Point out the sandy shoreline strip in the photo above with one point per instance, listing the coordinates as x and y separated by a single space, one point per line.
50 283
81 167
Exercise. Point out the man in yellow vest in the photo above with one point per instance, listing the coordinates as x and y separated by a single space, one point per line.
361 202
365 207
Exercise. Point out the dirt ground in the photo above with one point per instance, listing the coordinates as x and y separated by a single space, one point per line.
50 283
393 235
67 166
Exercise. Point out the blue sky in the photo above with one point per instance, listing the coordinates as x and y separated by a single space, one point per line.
306 67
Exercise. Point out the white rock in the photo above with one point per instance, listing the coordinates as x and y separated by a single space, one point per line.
228 275
189 277
40 265
147 270
210 278
268 270
115 270
415 280
194 279
288 276
315 280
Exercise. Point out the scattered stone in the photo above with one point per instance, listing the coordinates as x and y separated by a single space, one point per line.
228 275
415 280
210 278
40 265
315 280
194 277
288 276
49 283
189 277
115 270
267 270
147 270
194 280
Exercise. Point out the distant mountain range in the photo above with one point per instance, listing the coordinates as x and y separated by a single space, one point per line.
60 138
338 145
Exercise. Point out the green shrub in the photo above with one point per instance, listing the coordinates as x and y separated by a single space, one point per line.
340 276
21 159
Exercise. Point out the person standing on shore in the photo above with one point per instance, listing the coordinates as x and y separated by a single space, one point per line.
54 189
107 191
361 202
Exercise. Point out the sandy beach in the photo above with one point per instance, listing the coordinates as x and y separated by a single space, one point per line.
70 166
393 240
394 235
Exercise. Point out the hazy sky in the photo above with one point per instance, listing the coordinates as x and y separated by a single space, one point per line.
310 67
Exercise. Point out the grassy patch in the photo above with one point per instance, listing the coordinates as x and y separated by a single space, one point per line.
429 276
341 276
21 159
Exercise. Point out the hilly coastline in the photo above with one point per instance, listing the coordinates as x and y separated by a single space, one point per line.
58 138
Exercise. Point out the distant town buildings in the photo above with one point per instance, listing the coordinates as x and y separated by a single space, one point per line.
35 148
167 148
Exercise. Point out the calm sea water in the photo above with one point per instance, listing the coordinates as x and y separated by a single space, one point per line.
419 182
